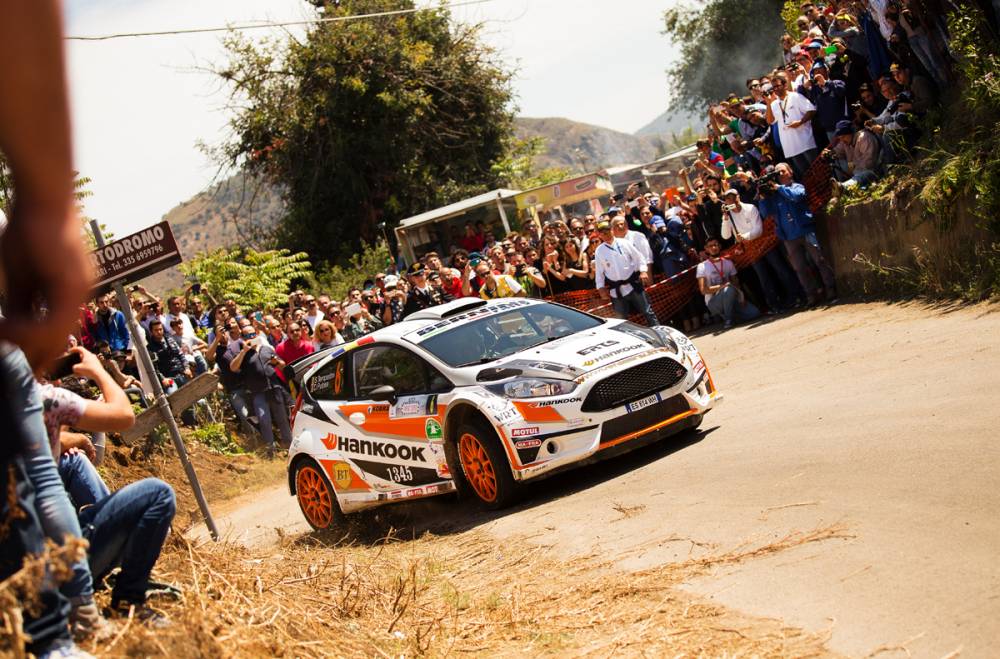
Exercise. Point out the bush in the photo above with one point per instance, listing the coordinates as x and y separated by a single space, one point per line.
215 437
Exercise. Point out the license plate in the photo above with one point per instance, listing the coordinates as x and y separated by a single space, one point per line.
642 402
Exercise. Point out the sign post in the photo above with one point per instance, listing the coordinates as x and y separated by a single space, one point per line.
137 256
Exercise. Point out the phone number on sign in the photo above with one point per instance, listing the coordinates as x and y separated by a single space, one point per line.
123 263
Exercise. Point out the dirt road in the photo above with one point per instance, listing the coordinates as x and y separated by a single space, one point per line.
880 418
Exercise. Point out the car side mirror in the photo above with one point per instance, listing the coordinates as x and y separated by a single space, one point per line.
386 393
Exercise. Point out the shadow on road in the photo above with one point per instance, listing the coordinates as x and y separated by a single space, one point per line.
447 514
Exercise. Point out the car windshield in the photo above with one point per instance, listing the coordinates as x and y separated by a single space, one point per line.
491 337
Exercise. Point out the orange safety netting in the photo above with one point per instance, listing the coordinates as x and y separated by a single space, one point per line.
669 295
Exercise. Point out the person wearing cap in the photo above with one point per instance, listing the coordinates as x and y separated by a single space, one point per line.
621 275
670 243
857 153
742 221
829 97
422 294
920 87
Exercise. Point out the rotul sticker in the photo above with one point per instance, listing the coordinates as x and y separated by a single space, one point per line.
432 429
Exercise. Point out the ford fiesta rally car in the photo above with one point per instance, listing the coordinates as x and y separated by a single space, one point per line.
479 396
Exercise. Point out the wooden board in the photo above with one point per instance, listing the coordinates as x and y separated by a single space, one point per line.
180 400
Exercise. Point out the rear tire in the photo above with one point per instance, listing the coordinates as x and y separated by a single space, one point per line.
316 497
485 468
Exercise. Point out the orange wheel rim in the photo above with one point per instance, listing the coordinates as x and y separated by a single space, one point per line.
478 467
314 496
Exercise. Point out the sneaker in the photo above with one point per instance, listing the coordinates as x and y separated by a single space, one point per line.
64 650
163 590
141 612
727 325
85 621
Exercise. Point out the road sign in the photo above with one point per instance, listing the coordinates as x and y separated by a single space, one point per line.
135 256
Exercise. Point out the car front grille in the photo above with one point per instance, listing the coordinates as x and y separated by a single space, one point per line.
634 421
633 384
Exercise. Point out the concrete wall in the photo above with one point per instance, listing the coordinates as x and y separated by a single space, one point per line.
888 232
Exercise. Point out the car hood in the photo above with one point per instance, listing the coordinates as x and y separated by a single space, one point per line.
570 357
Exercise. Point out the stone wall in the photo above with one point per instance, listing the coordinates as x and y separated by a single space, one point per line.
888 231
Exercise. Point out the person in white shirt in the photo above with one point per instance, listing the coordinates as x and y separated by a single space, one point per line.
717 281
314 315
175 306
620 275
793 114
619 227
743 222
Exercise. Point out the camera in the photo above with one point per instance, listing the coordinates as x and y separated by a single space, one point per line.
856 106
729 208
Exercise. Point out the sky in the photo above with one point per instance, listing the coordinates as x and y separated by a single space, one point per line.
142 106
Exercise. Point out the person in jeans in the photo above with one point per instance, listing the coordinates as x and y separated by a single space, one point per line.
717 281
223 348
169 358
621 274
255 360
788 205
742 221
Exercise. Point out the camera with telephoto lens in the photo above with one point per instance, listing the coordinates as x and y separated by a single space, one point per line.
768 183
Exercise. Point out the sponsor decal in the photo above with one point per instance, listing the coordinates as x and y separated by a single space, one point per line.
528 443
431 489
443 471
378 409
330 442
596 347
503 417
396 494
409 406
558 401
476 313
614 353
341 475
378 449
433 429
524 432
415 492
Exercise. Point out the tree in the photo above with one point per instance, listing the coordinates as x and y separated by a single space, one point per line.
336 281
722 43
253 279
367 121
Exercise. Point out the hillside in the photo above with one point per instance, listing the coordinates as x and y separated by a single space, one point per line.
229 213
671 122
579 146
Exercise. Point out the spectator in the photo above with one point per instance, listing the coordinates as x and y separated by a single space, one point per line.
296 346
920 88
621 232
829 97
274 334
795 226
422 295
718 282
256 362
621 274
175 307
109 324
576 266
395 300
470 240
671 244
327 335
497 285
191 346
313 314
857 153
743 222
169 360
792 113
360 322
528 276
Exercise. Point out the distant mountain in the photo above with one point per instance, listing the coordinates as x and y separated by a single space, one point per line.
671 122
236 211
584 147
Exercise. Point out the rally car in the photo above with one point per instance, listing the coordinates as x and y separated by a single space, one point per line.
479 396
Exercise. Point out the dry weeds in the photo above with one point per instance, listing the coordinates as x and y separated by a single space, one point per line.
449 595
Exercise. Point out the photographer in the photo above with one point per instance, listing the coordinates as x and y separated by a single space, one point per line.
785 201
168 357
528 276
743 222
896 125
828 96
718 282
221 351
256 362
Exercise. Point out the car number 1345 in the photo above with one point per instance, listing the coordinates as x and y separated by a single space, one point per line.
643 402
400 474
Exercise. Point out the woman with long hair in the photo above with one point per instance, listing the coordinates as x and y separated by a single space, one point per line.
554 267
576 266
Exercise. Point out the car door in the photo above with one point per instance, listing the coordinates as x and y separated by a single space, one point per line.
394 444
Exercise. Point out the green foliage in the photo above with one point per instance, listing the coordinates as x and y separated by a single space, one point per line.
790 13
722 43
336 280
362 122
215 437
253 279
517 169
680 140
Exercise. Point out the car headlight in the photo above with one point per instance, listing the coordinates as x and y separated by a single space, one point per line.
676 340
532 388
658 337
666 338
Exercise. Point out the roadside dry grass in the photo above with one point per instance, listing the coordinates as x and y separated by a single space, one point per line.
447 595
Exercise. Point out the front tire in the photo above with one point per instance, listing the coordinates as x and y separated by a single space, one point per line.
316 498
485 467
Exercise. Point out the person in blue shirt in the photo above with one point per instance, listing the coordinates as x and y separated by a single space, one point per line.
786 202
109 325
829 97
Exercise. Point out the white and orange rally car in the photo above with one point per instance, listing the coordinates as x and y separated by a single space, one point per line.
480 396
